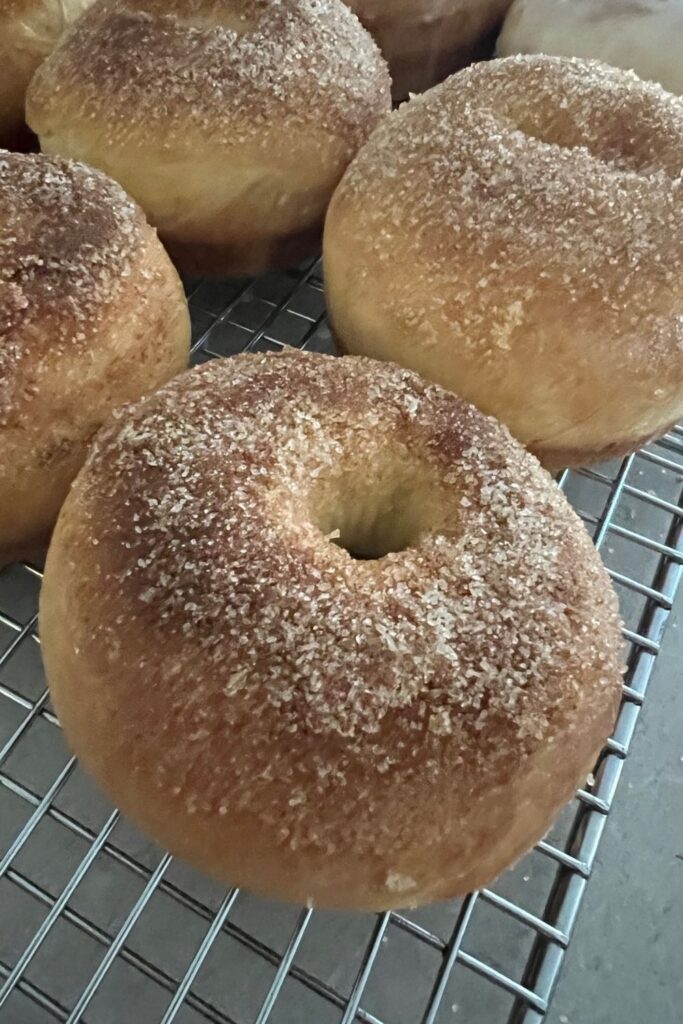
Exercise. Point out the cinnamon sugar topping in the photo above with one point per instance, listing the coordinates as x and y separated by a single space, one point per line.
469 646
68 236
224 67
520 184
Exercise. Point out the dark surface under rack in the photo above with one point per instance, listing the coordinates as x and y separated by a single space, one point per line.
98 925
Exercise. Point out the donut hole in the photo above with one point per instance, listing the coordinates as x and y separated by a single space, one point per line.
619 152
372 512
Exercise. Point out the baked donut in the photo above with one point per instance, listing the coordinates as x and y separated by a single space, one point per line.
230 121
642 35
328 632
29 31
516 235
425 40
92 314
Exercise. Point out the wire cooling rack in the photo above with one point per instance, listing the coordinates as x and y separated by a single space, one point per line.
98 925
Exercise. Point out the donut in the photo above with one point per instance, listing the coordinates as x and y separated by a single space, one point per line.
92 314
326 631
515 235
641 35
29 31
426 40
230 121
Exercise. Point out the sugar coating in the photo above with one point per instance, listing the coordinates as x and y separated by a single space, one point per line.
224 68
522 194
278 660
68 240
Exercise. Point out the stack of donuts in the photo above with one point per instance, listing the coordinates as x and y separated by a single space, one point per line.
327 627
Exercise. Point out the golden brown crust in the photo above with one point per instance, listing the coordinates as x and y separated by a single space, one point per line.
92 315
130 60
556 459
68 240
294 719
516 235
226 119
426 40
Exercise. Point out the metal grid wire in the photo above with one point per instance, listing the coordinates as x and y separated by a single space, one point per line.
98 925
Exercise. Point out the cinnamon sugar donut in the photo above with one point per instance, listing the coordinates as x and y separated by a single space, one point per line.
642 35
327 631
516 235
230 121
29 31
425 40
92 314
